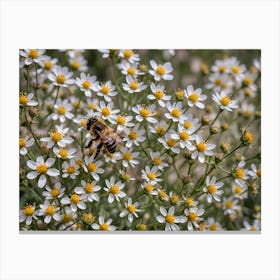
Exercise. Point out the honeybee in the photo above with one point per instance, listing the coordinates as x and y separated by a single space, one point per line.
101 131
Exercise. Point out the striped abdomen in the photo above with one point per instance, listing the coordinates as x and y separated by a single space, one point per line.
111 145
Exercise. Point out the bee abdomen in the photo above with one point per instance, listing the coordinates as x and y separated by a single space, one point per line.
111 146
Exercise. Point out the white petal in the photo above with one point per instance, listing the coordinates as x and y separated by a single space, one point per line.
31 175
160 219
42 181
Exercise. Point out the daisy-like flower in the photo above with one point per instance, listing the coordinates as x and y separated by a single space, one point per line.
26 100
62 110
212 189
105 52
132 85
70 169
157 161
239 191
55 192
236 69
247 110
105 90
129 56
163 195
67 219
130 210
159 129
47 64
88 191
82 122
221 66
50 211
149 188
256 226
213 225
61 77
114 190
25 142
126 176
41 168
64 153
184 137
27 214
75 201
224 101
123 122
106 226
145 113
158 94
190 123
128 157
151 175
113 158
161 71
169 219
240 174
230 206
193 217
169 143
94 168
129 69
134 136
219 82
106 112
78 63
58 137
32 55
86 83
175 112
255 172
189 201
201 149
195 97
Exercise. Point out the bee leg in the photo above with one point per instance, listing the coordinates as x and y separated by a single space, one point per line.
99 147
89 143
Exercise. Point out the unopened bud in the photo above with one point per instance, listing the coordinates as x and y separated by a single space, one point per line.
88 218
209 109
143 68
205 120
225 147
224 126
187 179
214 129
33 112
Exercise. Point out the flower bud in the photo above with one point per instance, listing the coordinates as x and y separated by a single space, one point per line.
224 126
174 198
88 218
143 68
187 179
205 120
180 94
142 227
204 69
214 129
209 109
225 147
33 112
50 108
247 138
218 157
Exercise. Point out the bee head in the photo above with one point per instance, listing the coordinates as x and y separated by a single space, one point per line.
90 122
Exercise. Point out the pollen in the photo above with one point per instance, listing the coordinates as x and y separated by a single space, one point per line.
23 99
229 204
201 147
151 176
171 142
91 167
105 90
121 120
70 169
192 216
212 189
75 65
106 112
159 94
42 168
259 173
131 208
149 188
187 125
237 189
225 100
134 85
160 130
61 110
22 142
114 189
194 97
55 192
170 219
131 71
86 84
48 65
144 112
176 113
50 210
240 173
127 156
222 69
75 199
189 201
180 93
184 135
133 135
160 70
235 69
28 210
63 153
104 227
56 136
156 160
128 53
33 54
60 79
89 188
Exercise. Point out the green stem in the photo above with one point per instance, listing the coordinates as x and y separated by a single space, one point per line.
220 111
56 95
235 149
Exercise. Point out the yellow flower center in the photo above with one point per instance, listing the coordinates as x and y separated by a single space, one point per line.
239 173
134 85
50 210
63 153
187 125
61 110
104 227
22 142
144 112
88 218
192 216
114 189
126 176
86 84
253 228
55 192
121 120
128 53
131 71
151 176
127 156
156 160
132 135
28 210
159 94
176 113
67 218
249 137
224 85
70 169
174 198
76 103
170 219
56 136
171 142
60 79
212 189
75 199
75 64
149 188
184 135
142 227
23 99
180 93
162 194
48 65
259 173
91 167
189 201
229 204
42 168
33 54
105 112
83 122
160 130
160 70
194 97
237 189
105 90
225 101
89 188
213 227
235 69
248 92
201 147
218 82
222 69
131 208
92 106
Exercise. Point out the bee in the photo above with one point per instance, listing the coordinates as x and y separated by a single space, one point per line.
101 131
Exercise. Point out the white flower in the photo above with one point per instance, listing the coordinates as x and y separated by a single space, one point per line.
49 211
123 122
106 112
105 52
230 206
191 123
76 201
170 219
145 113
161 71
158 94
93 167
129 69
86 83
169 143
134 136
128 157
224 101
194 97
55 192
157 161
64 153
114 190
26 100
47 64
220 82
175 112
193 217
78 63
240 173
221 66
132 85
256 226
151 175
70 169
67 219
129 55
236 69
183 136
149 188
88 191
41 168
105 90
212 189
25 142
104 225
27 214
62 110
239 190
255 172
213 225
131 210
32 55
61 77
